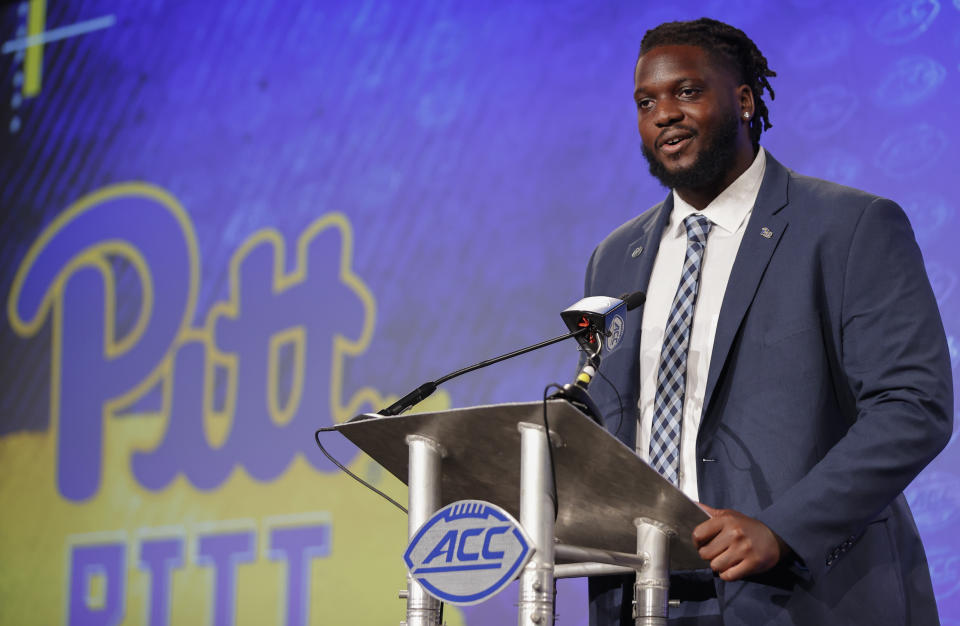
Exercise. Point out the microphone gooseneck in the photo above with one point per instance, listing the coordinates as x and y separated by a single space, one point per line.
596 322
420 393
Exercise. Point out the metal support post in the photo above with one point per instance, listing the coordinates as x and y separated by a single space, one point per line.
651 592
423 480
536 517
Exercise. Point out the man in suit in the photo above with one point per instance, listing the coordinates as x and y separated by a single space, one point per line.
789 368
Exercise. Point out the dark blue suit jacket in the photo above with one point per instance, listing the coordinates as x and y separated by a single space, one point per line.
829 390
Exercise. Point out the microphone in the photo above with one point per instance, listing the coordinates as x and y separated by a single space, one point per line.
634 299
605 317
587 318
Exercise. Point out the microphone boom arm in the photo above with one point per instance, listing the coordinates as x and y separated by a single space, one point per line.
423 391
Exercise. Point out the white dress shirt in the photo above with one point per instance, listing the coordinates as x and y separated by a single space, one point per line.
729 213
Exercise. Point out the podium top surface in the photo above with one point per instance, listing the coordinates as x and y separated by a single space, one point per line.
602 485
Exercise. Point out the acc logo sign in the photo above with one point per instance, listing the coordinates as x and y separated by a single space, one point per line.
614 333
467 552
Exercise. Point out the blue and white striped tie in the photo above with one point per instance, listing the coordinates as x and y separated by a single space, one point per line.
672 375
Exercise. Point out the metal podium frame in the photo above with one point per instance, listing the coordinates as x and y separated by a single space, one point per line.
615 514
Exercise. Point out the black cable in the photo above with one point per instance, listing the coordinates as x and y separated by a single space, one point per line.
316 436
553 470
616 432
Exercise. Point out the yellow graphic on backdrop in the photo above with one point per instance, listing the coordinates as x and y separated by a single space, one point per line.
116 513
32 45
33 56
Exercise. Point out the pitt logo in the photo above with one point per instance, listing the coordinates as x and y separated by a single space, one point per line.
233 392
467 552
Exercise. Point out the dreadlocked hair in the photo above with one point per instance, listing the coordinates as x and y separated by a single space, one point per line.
730 46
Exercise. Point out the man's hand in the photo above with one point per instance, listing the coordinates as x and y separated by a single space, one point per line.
737 545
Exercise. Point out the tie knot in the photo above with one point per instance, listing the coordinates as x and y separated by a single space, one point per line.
698 227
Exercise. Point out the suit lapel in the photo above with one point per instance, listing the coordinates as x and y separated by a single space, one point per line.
636 263
760 239
639 255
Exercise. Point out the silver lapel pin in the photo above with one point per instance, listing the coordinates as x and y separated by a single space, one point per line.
766 233
636 252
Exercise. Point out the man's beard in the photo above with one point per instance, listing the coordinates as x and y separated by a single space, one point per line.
710 165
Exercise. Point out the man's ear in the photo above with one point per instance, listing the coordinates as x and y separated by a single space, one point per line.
745 97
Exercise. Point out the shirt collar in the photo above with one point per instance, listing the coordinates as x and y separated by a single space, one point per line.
728 210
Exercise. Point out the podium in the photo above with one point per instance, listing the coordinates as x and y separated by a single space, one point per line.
614 513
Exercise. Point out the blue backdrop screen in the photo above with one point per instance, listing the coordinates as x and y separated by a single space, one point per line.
225 224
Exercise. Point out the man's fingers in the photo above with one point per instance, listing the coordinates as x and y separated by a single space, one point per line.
710 551
738 571
726 542
735 544
709 510
706 531
726 559
713 547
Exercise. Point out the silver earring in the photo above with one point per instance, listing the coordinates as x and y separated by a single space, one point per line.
746 115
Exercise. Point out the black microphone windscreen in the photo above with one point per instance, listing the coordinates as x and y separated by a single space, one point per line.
634 299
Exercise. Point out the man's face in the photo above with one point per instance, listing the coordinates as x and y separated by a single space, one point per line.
689 110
